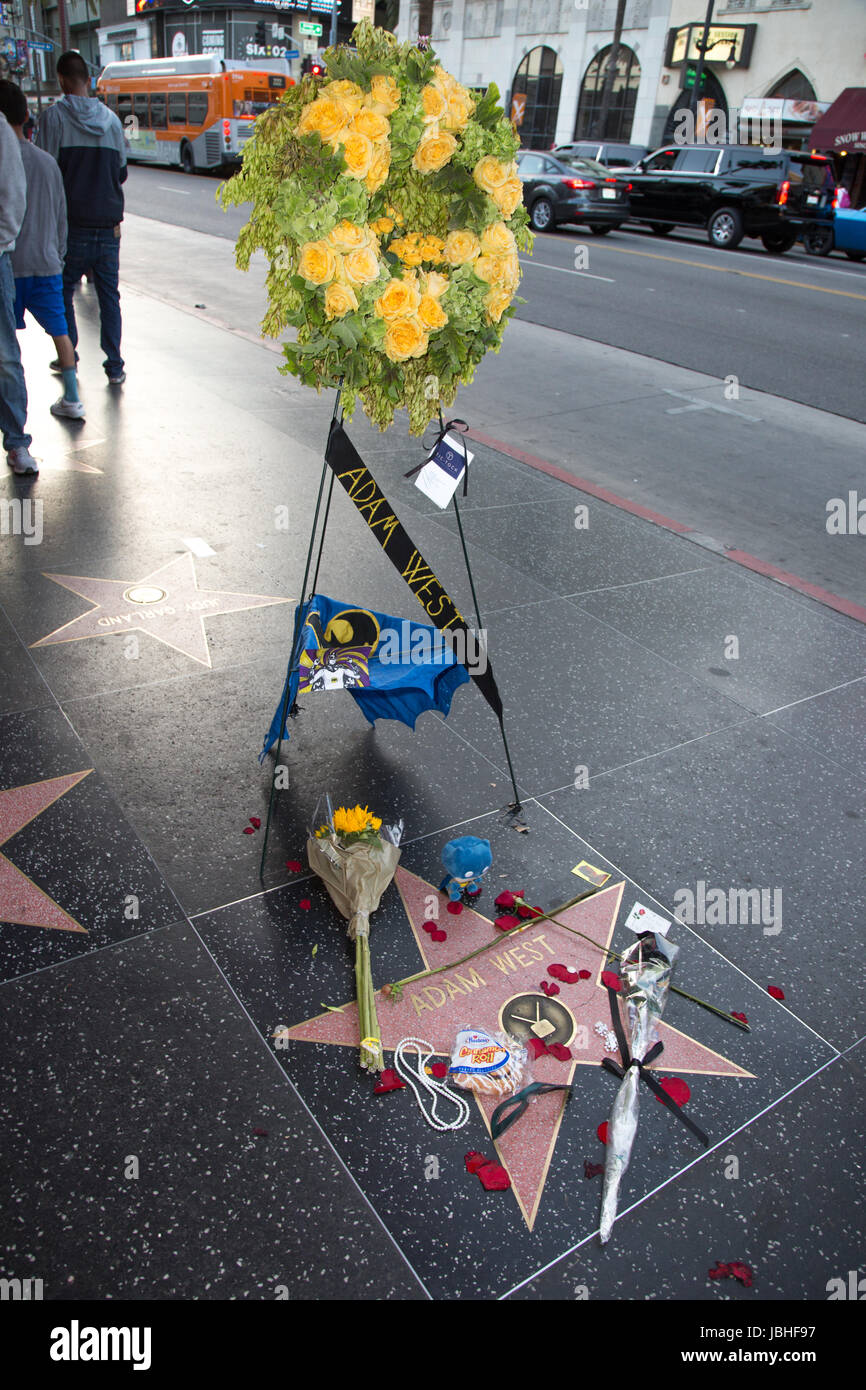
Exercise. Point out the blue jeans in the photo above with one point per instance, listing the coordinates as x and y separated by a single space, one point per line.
13 388
96 250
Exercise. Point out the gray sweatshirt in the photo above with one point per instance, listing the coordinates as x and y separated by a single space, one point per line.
41 243
13 187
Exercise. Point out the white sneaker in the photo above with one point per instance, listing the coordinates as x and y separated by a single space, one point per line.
21 461
71 410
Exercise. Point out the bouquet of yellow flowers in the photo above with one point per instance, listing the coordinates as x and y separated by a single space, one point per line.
386 198
356 857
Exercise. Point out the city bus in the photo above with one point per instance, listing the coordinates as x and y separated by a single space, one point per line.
192 111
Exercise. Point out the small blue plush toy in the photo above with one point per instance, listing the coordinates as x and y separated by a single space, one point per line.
466 861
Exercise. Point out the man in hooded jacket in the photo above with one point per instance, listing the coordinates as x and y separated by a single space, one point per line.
88 143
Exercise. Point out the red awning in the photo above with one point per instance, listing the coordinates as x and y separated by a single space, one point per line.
842 129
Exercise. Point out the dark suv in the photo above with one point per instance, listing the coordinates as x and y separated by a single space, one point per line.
733 191
612 154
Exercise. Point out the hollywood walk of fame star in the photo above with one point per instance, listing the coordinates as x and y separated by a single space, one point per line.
167 603
21 902
503 982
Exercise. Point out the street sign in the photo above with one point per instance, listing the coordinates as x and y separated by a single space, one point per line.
307 28
41 47
362 9
311 45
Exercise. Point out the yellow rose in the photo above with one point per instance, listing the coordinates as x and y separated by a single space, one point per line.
437 284
339 300
431 313
498 240
408 248
384 92
432 248
433 103
489 269
371 124
510 273
496 301
509 196
444 81
461 246
361 267
346 236
382 226
404 338
458 113
395 213
358 154
378 171
490 174
434 151
348 94
325 116
398 299
317 262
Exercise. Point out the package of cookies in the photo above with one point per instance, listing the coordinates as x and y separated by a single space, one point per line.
490 1064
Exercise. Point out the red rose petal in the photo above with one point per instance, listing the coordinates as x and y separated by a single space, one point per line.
294 866
248 830
560 1052
741 1017
592 1170
524 910
429 926
775 991
735 1270
562 972
305 904
474 1160
584 974
506 922
536 1047
388 1081
438 935
549 989
602 1132
506 899
611 981
255 822
678 1090
439 1070
455 909
493 1177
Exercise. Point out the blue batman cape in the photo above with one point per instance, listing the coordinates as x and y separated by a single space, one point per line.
411 668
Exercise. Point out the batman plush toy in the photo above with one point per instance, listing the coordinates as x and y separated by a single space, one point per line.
466 860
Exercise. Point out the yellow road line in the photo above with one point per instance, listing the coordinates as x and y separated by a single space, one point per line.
732 270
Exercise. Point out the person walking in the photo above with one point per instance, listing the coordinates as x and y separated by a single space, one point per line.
37 261
88 143
13 388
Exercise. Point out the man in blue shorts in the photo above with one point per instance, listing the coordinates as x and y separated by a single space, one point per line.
37 261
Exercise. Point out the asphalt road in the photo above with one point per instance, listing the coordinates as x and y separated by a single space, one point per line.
791 325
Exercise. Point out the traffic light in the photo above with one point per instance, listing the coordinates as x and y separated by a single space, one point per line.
260 34
690 75
311 67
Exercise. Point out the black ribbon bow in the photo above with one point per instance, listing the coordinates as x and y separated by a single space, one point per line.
500 1121
461 427
642 1064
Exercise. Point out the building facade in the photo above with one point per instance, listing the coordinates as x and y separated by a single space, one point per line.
786 58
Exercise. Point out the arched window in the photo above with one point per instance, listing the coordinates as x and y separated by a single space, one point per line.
539 79
794 87
711 92
620 110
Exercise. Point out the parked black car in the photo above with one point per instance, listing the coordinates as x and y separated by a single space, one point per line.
571 190
612 153
733 191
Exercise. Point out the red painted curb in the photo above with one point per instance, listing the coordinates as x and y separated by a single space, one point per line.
738 557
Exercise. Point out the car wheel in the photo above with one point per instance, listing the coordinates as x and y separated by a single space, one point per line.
600 229
725 229
777 243
541 216
818 241
187 158
856 255
662 228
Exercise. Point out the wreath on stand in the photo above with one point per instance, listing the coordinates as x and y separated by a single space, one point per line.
386 197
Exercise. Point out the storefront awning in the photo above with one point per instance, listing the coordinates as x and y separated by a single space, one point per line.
842 129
